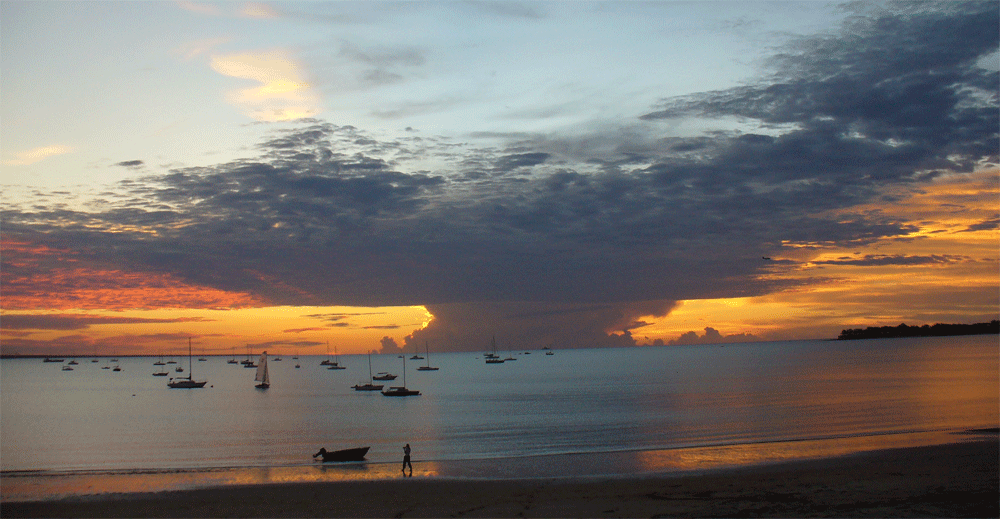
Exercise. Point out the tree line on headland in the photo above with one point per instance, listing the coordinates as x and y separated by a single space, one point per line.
937 330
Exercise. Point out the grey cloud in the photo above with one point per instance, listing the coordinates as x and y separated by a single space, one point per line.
712 336
872 260
134 164
987 225
526 325
548 229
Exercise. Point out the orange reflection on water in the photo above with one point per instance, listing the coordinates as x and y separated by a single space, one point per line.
726 456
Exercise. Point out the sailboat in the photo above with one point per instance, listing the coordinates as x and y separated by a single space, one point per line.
189 382
493 358
262 375
416 353
232 359
327 362
428 366
370 386
249 362
401 390
336 364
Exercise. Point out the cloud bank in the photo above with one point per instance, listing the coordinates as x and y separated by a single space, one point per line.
584 232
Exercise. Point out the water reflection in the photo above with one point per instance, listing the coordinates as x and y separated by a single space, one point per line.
22 487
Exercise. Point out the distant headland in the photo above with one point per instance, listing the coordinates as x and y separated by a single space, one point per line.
937 330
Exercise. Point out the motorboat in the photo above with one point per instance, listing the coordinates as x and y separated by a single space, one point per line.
355 454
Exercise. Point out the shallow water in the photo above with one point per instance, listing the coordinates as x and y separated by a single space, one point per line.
666 408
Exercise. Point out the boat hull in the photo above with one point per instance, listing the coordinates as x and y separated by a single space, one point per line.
185 384
356 454
400 391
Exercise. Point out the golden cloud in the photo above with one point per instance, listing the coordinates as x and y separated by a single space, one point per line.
283 93
34 155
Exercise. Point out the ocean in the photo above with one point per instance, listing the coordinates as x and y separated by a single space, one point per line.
580 412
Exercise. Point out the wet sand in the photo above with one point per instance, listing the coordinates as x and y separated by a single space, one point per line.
954 480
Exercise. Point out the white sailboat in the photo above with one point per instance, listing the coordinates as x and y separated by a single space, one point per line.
262 374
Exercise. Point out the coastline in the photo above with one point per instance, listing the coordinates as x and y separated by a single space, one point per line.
957 479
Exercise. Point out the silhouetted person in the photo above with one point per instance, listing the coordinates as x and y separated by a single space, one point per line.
406 460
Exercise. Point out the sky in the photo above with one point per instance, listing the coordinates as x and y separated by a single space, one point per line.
393 175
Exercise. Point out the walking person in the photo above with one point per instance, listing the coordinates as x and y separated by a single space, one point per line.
406 460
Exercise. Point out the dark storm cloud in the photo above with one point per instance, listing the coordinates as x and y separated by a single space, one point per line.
987 225
888 98
572 230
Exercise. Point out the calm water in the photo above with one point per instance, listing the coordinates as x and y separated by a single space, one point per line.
575 402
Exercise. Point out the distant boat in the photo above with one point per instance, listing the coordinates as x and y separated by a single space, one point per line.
428 366
160 373
262 374
67 368
416 353
356 454
369 386
248 363
49 359
401 390
492 357
328 361
232 359
116 368
160 362
188 382
335 364
382 375
73 362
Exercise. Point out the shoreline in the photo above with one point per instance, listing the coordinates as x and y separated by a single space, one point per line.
957 479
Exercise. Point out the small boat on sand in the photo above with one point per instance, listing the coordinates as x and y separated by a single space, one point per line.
355 454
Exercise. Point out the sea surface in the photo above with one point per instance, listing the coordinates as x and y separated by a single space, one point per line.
579 412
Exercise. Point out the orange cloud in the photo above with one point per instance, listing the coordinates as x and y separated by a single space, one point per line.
38 277
34 155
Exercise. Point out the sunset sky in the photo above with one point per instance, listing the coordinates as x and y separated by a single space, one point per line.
376 175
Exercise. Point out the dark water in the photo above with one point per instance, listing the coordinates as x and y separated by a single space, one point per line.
574 403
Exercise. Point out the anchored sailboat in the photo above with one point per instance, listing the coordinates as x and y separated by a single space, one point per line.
428 366
370 386
493 358
189 382
401 390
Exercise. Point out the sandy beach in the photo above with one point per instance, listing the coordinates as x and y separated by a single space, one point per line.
954 480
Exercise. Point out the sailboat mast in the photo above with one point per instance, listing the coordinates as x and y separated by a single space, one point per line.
190 367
